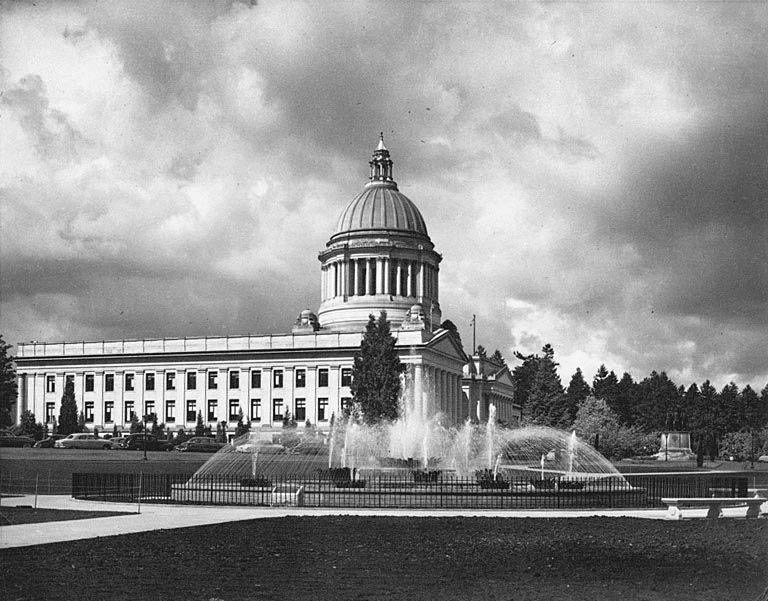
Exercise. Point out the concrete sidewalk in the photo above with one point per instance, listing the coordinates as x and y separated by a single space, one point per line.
164 517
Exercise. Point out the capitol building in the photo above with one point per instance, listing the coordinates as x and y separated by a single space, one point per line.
379 258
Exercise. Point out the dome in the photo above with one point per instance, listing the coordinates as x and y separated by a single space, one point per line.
381 206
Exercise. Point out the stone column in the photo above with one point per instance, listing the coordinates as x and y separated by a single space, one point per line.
398 271
409 283
386 276
418 388
422 289
379 276
368 278
266 396
356 277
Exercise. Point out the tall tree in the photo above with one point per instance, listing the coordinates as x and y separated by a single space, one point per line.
606 386
451 327
8 387
658 401
498 358
29 427
68 411
81 422
199 425
626 399
578 391
523 376
730 416
546 398
242 427
376 372
136 426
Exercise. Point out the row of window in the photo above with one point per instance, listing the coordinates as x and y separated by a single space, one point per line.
300 380
278 407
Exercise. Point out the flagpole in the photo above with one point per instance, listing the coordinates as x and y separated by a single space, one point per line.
474 333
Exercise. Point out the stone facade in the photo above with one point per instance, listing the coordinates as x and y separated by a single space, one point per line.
380 258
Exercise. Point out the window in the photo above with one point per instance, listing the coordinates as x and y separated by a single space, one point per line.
109 407
346 376
301 410
129 382
213 406
191 412
88 411
127 411
346 403
149 381
191 380
255 410
277 380
322 409
234 410
109 382
149 409
256 378
277 410
301 378
88 382
50 412
170 380
234 379
69 380
322 377
212 380
50 383
170 412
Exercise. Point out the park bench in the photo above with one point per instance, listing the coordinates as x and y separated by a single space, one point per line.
286 495
714 505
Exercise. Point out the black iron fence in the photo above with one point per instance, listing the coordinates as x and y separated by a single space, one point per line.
414 490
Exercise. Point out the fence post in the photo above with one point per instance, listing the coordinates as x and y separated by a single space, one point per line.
37 479
141 475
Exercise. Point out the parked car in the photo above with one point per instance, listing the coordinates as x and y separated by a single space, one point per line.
200 444
264 448
136 442
117 442
82 441
9 440
763 459
47 443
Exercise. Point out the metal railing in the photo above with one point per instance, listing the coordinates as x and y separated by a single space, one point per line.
406 491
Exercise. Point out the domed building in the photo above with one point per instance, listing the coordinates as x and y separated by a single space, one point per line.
379 258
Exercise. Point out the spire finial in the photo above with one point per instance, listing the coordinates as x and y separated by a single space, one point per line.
381 142
381 164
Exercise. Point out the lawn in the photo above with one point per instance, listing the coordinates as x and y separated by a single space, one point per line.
406 558
29 515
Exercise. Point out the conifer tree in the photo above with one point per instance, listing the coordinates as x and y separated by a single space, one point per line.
242 427
199 426
626 399
578 391
68 411
523 376
376 373
546 399
8 386
136 426
81 422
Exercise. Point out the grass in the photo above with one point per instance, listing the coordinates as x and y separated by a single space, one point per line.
406 558
26 514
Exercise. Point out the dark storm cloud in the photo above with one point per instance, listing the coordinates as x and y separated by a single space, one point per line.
595 177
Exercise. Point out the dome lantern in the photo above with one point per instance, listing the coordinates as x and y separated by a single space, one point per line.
381 164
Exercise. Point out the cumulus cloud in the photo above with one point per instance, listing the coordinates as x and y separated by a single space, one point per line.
594 175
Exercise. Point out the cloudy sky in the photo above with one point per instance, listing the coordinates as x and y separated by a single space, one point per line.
594 175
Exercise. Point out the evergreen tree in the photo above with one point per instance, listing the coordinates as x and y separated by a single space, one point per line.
546 398
199 426
136 425
730 418
242 427
626 399
523 376
480 352
606 386
54 426
29 427
115 432
578 390
658 401
81 422
498 358
753 411
221 431
8 386
451 327
68 411
376 373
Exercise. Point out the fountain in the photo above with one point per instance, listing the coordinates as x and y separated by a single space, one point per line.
422 450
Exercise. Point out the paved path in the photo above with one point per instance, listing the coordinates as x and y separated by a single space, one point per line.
162 517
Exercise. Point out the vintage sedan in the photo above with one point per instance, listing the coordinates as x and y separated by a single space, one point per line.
9 440
48 443
83 441
200 444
